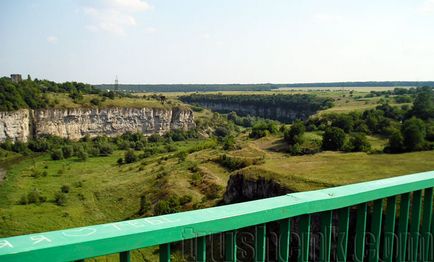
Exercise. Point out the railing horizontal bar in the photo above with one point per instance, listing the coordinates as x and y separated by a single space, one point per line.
92 241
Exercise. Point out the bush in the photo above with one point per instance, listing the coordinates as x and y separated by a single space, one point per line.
65 189
105 149
82 154
154 138
182 155
145 205
60 199
295 133
33 197
333 139
358 143
57 154
67 151
130 157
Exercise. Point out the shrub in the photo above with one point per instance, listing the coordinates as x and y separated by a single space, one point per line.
358 143
57 154
154 138
295 133
182 155
65 189
145 205
60 199
67 151
333 139
120 161
130 157
35 197
82 154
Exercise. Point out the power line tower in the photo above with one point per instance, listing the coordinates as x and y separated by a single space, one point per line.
116 89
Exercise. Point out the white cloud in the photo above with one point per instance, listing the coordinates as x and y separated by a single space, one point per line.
52 39
427 6
150 29
326 18
114 16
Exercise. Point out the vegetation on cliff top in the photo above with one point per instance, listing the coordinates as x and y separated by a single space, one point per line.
38 94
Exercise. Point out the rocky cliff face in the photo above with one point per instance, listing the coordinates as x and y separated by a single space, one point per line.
79 122
241 189
277 113
15 125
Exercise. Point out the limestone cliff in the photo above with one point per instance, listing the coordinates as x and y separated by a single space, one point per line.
78 122
15 125
277 113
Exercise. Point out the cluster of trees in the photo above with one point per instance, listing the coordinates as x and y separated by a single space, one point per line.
399 91
408 129
253 87
33 93
61 148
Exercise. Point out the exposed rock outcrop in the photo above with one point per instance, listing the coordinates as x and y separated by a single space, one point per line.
15 125
241 189
78 122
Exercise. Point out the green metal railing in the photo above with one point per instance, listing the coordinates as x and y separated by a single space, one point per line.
405 203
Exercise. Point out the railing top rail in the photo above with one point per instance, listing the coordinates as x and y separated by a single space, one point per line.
91 241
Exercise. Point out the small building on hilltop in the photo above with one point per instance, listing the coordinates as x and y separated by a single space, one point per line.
16 78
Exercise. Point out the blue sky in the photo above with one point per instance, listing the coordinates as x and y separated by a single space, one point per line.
224 41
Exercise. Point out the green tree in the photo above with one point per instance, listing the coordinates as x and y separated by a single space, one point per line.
333 139
413 131
358 143
295 133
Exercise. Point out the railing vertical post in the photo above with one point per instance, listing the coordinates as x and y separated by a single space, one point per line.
377 216
303 256
201 249
231 246
415 225
125 256
389 229
260 242
431 243
165 252
359 248
426 226
403 226
342 246
326 235
284 239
